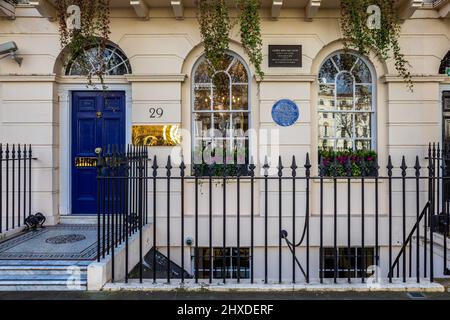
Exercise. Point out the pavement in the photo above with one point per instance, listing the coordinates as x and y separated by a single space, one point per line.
242 296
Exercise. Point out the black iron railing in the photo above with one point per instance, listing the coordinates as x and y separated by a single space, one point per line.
281 215
15 185
121 199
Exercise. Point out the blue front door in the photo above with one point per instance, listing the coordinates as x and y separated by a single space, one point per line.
98 120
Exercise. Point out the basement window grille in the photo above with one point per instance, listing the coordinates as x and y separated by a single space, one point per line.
349 262
231 263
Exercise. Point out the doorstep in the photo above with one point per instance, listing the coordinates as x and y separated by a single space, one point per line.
79 219
356 285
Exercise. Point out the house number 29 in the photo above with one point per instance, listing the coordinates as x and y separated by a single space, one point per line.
156 112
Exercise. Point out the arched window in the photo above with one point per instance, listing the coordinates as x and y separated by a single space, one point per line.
346 88
116 62
445 63
220 114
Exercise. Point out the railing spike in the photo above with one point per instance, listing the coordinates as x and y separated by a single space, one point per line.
307 165
403 167
266 166
280 167
155 166
389 166
169 163
252 167
348 167
294 167
321 168
417 167
182 167
335 165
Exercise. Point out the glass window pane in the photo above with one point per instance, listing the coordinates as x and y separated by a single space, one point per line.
201 73
202 123
326 97
344 144
363 97
326 125
116 63
222 124
344 91
362 125
240 122
344 125
362 72
327 73
239 97
344 61
238 72
202 100
363 145
225 63
326 143
221 92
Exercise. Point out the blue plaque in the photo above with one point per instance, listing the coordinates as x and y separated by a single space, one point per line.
285 112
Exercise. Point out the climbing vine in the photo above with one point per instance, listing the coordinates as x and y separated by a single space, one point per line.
92 31
377 31
215 27
250 27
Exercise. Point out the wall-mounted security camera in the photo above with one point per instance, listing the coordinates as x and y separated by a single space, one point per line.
9 49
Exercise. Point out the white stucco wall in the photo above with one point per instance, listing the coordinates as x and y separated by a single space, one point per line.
162 52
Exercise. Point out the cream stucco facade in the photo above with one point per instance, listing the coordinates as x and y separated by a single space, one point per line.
35 98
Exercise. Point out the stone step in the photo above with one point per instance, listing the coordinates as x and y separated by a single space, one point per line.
42 275
40 267
39 272
49 263
41 287
39 277
55 269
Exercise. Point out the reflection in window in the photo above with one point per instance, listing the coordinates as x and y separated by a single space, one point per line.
221 110
346 102
116 62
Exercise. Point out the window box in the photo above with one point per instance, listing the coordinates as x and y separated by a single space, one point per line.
354 163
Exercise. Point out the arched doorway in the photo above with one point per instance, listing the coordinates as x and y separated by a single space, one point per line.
91 118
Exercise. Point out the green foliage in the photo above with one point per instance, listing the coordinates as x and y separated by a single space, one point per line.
223 169
250 27
219 170
94 33
353 163
383 41
215 26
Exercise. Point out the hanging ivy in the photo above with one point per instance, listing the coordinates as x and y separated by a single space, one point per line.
382 39
93 32
250 27
215 26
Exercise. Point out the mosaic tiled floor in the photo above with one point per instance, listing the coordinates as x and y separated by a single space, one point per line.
62 242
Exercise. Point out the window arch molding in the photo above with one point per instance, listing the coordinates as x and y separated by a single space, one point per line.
347 90
236 106
116 61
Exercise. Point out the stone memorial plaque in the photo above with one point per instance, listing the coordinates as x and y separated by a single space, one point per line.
285 56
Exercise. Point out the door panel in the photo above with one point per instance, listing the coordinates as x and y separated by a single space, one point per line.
98 120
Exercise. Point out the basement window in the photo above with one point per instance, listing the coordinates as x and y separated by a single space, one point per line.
349 262
230 255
